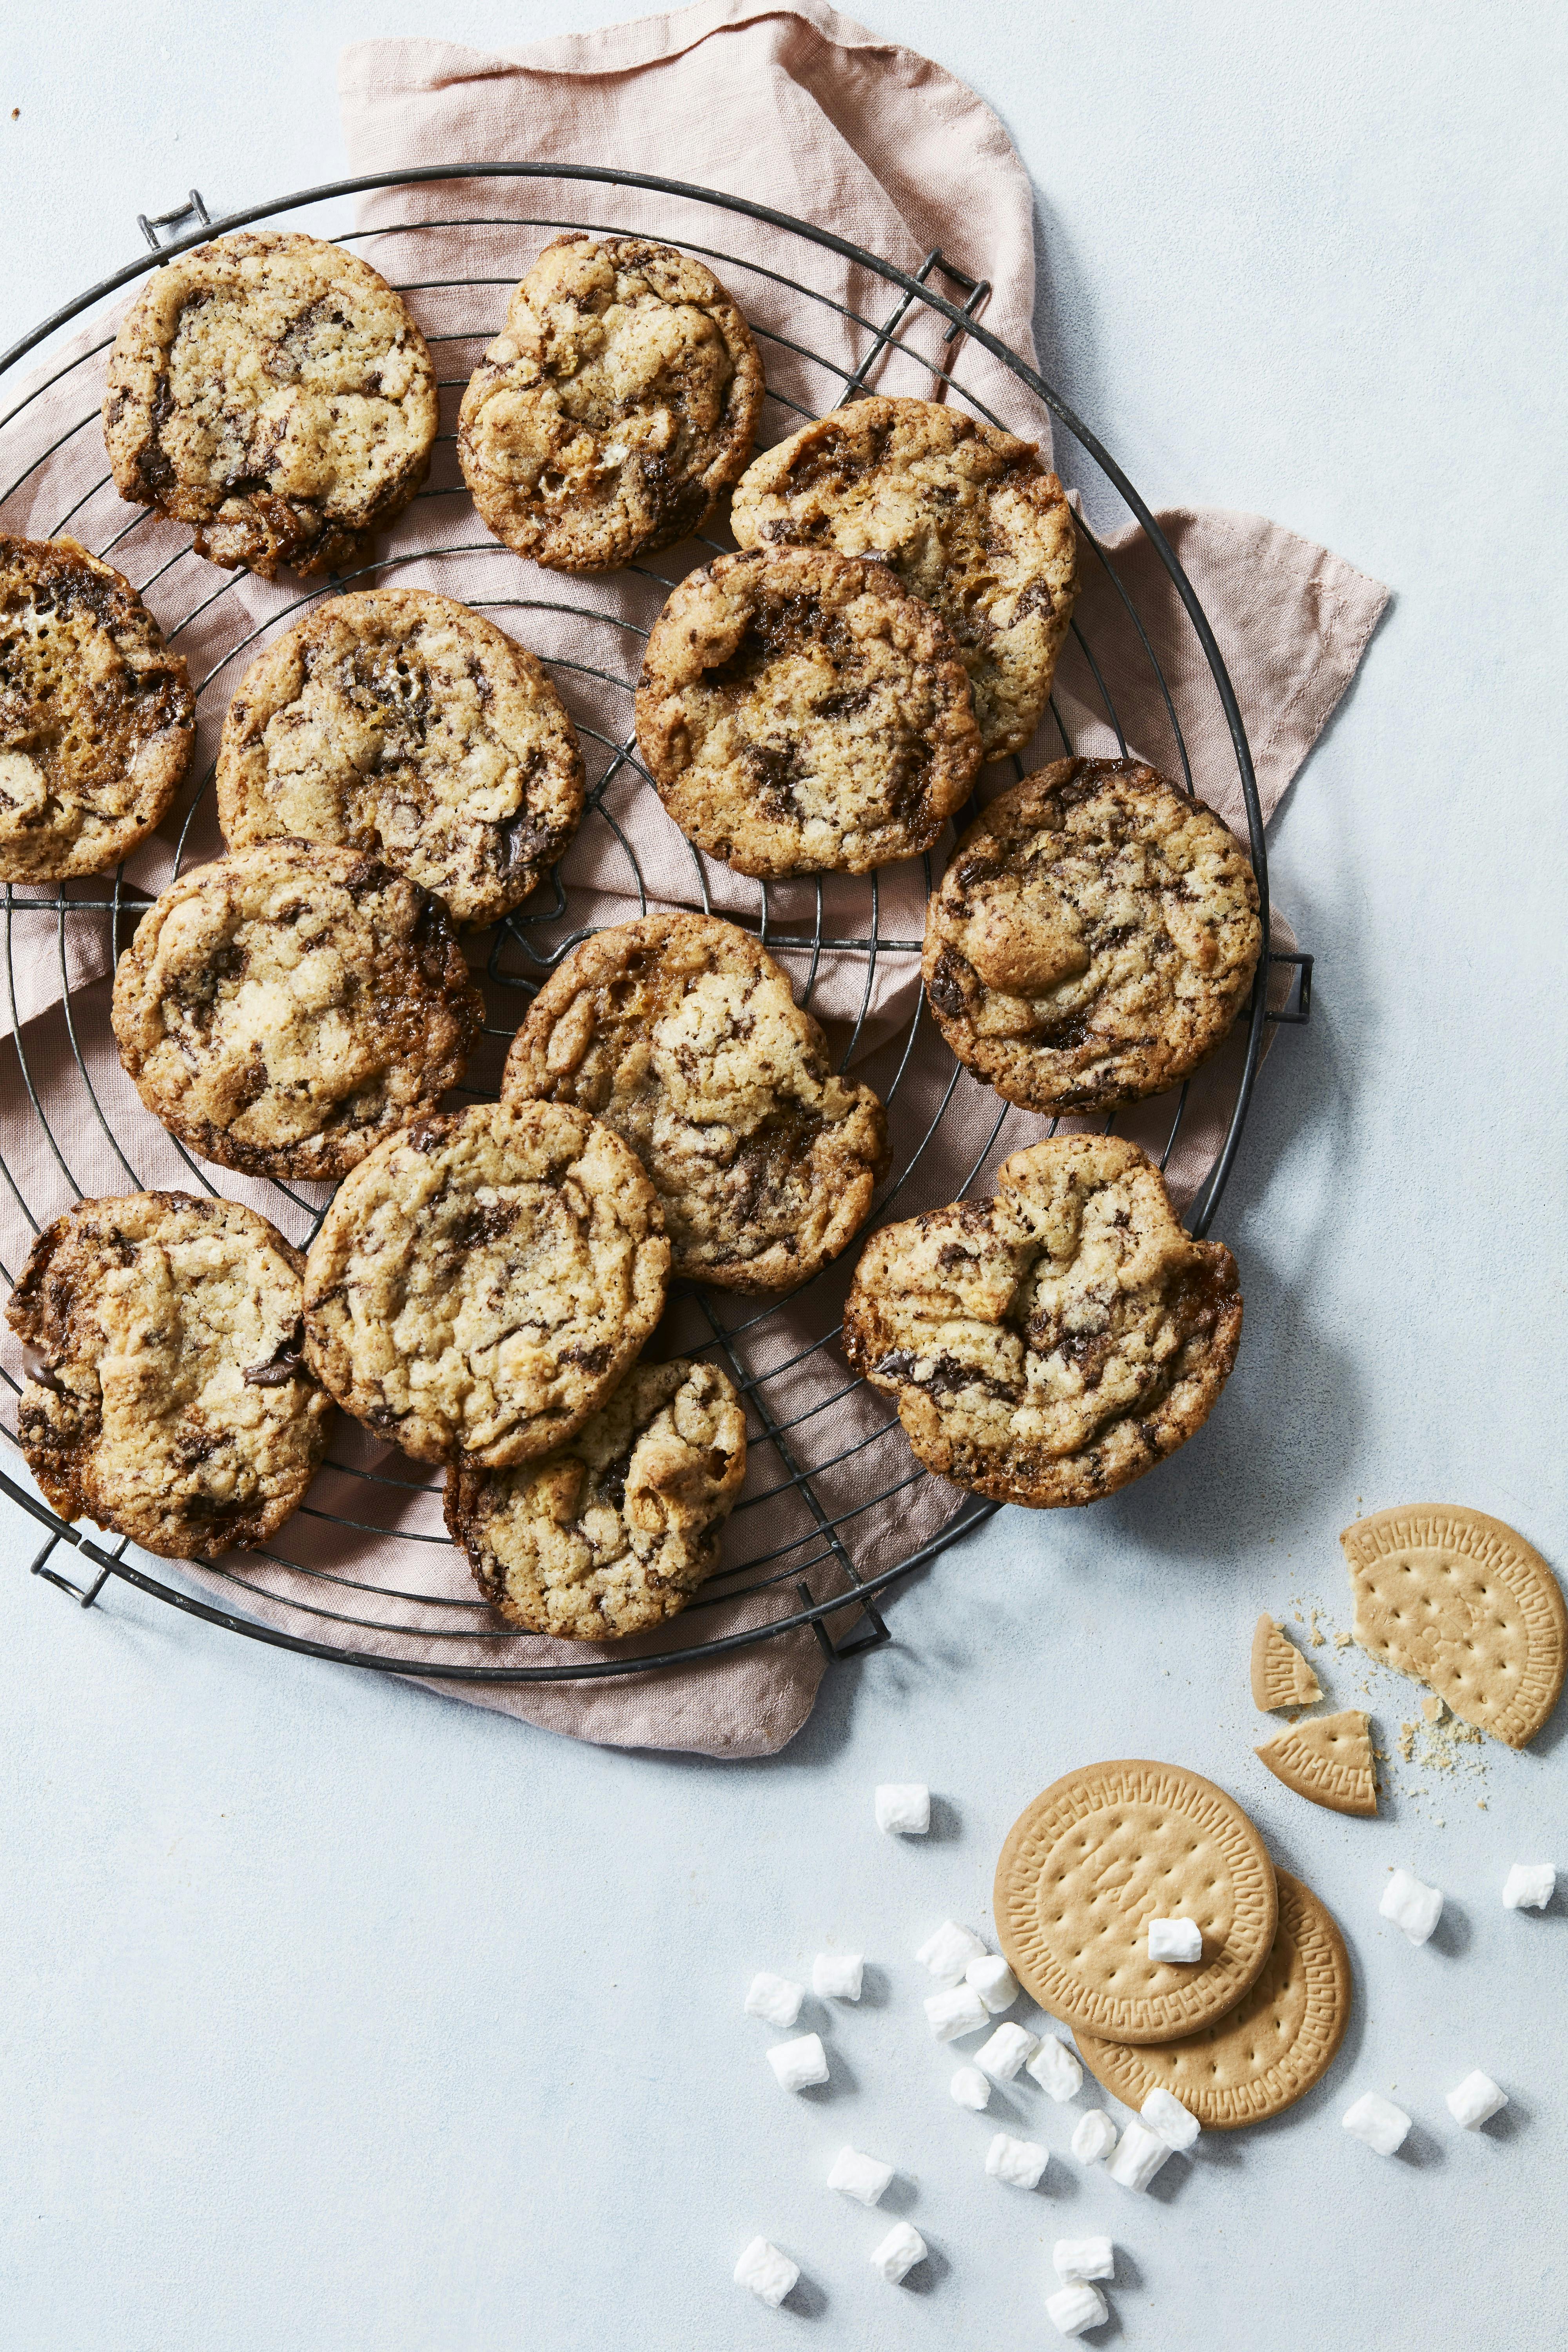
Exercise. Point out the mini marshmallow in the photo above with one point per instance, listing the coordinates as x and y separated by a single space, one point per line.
1530 1887
864 2178
994 1981
1056 2070
1411 1906
954 2014
1073 2309
1177 2126
970 2088
1139 2158
768 2274
1175 1940
1019 2162
774 2000
1002 2056
1094 2135
1377 2121
898 2252
799 2065
1084 2258
835 1976
1475 2099
903 1808
948 1953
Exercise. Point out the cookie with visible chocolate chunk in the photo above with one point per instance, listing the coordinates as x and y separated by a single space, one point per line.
1051 1343
271 390
614 1532
97 717
283 1009
1093 940
403 726
165 1397
681 1032
617 401
965 514
800 712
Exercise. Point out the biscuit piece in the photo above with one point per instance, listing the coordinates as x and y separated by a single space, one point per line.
482 1281
681 1033
1461 1601
283 1010
1327 1758
617 401
165 1397
1089 1865
271 390
801 713
964 513
614 1532
1280 1674
1053 1342
97 717
1267 2051
1095 935
402 725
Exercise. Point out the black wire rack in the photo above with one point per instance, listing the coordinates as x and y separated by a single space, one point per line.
836 1509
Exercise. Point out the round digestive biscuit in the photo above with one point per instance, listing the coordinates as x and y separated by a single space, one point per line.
964 513
481 1282
614 1532
1051 1343
97 717
681 1032
404 726
1328 1760
271 390
1462 1602
1265 2053
1105 1850
617 401
165 1397
284 1009
800 712
1093 940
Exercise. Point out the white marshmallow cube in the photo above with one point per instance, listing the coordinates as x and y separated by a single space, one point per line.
948 1953
1530 1887
768 2274
994 1981
1175 1940
1019 2162
1139 2158
1083 2258
1175 2125
903 1808
1073 2309
954 2014
897 2253
1412 1906
1002 2056
1475 2099
837 1976
1056 2069
774 2000
1094 2135
864 2178
970 2088
799 2065
1377 2121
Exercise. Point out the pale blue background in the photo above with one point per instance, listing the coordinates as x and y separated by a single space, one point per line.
334 2015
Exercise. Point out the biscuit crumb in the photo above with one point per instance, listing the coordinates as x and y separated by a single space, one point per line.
1432 1709
1342 1641
1407 1740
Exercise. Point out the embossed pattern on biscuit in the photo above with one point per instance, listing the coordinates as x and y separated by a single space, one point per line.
1327 1760
1280 1674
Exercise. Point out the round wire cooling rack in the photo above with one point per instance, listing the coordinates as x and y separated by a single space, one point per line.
836 1508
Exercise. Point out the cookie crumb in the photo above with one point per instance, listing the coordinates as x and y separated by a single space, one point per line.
1432 1709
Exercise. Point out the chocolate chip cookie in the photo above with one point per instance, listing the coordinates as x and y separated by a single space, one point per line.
680 1032
405 727
165 1397
964 513
1095 935
618 400
1051 1343
97 717
283 1010
272 391
614 1532
800 712
481 1282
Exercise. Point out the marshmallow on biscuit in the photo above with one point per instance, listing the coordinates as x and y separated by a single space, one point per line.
798 2064
1175 1940
1177 2126
774 2000
1412 1906
1377 2121
903 1808
768 2274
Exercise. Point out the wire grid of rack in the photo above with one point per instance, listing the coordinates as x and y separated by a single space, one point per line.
821 1575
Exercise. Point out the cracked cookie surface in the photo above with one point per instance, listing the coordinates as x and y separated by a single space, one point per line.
404 726
1051 1343
964 513
271 390
165 1397
681 1032
283 1009
617 401
614 1532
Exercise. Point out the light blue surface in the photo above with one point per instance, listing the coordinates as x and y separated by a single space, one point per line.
335 2015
